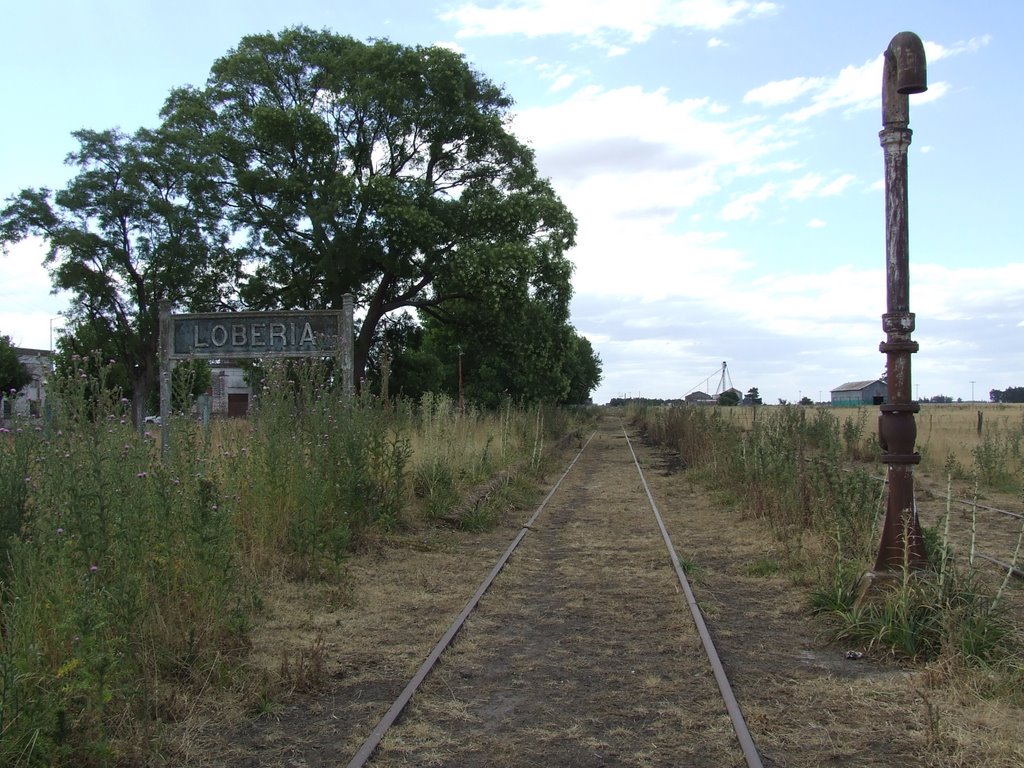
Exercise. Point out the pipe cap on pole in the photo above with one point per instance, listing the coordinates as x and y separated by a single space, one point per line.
911 66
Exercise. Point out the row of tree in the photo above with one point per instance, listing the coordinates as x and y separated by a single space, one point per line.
1008 395
312 165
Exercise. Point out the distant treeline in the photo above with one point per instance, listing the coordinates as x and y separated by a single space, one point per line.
1008 395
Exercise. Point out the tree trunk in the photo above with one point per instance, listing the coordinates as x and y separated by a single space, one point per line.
142 383
139 394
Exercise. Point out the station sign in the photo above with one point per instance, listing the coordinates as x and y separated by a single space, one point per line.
253 335
234 335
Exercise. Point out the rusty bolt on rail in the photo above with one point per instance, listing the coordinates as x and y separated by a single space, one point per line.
902 544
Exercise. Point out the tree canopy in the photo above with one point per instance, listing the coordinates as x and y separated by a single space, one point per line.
312 165
13 373
1008 395
379 169
139 223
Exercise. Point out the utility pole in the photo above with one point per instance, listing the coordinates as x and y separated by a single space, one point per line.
902 544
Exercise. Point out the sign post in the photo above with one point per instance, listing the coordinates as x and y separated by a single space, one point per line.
252 335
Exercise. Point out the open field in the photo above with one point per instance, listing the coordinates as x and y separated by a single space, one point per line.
974 441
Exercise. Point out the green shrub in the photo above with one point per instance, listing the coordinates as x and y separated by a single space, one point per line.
791 472
121 577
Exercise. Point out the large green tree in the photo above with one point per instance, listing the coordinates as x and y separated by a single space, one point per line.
378 169
526 349
139 223
13 373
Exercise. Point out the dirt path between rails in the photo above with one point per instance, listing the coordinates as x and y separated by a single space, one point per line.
582 654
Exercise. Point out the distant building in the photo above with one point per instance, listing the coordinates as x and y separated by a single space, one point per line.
29 400
860 393
230 394
699 397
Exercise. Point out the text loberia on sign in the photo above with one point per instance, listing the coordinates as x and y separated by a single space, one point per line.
254 334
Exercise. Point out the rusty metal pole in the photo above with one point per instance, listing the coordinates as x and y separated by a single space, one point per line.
902 545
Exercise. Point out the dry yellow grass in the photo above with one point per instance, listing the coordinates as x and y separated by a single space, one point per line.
958 429
945 432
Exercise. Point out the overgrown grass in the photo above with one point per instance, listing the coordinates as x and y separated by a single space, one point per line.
465 462
120 579
792 468
315 472
129 582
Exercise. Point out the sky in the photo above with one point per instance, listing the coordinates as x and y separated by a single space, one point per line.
721 158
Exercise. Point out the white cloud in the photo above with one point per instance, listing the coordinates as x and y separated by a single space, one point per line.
747 206
23 270
935 51
963 293
557 74
715 42
838 185
668 154
637 262
454 47
27 306
788 332
598 21
629 183
804 187
561 83
782 91
639 169
855 88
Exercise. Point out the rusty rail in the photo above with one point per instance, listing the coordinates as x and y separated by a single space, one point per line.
372 741
739 724
746 742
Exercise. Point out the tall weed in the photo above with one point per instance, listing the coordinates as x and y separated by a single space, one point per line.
119 579
129 579
320 469
455 450
792 472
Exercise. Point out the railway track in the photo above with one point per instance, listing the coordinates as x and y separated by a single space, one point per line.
582 650
584 645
